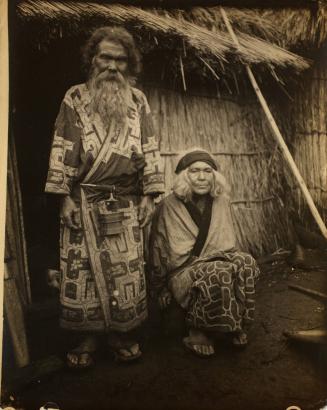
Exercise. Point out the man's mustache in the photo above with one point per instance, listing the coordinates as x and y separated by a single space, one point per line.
107 75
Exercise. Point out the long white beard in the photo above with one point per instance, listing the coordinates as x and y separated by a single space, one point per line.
109 96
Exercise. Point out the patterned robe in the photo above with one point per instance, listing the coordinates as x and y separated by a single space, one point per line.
102 264
197 260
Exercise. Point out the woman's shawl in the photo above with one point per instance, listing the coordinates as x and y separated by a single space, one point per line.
174 234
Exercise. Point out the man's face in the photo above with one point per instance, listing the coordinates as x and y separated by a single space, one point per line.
111 58
109 83
200 175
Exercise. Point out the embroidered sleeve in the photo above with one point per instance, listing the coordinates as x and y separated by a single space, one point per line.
153 175
65 150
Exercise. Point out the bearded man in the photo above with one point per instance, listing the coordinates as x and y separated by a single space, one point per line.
195 257
105 164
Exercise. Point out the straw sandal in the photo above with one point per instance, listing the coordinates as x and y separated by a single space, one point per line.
124 350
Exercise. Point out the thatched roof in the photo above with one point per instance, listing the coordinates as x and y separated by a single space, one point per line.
287 27
199 29
273 4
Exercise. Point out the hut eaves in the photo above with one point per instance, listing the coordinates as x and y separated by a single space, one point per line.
287 27
206 39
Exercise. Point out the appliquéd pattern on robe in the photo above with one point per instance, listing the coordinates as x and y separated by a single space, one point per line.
78 137
153 176
65 152
119 260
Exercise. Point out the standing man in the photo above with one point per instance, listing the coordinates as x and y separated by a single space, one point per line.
105 164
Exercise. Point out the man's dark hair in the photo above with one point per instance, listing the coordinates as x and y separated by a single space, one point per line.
119 35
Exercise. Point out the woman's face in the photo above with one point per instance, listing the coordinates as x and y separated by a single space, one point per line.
200 175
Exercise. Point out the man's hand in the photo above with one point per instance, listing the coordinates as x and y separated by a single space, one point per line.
146 209
138 158
69 212
164 298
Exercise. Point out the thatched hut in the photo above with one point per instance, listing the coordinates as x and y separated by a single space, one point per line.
196 85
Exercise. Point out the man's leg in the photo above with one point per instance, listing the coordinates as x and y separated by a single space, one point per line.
80 305
128 252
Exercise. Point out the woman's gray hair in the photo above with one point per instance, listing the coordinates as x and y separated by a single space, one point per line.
182 186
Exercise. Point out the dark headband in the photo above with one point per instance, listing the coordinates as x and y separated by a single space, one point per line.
195 156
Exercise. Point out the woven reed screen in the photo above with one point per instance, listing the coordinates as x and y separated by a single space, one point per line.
308 133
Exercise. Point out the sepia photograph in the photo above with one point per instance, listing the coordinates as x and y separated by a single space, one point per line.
164 204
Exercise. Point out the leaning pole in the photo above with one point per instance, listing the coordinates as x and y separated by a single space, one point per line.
277 134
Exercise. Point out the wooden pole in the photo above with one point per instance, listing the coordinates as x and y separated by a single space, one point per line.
182 72
311 336
308 291
278 135
4 109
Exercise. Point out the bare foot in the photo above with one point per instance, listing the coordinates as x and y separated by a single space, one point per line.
199 343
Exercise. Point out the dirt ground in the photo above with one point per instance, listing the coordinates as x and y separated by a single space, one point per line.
271 373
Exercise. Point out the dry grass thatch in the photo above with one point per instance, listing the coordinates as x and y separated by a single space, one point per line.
198 28
286 27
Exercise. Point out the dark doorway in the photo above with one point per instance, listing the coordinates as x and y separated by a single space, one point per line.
40 74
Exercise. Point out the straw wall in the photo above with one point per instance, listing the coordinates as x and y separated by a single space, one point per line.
237 135
309 141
